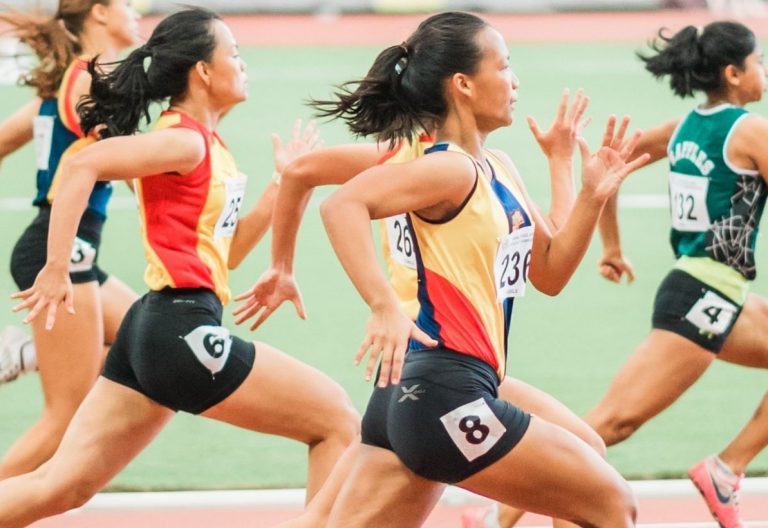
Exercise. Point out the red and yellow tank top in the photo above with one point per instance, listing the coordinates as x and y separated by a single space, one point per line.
461 262
396 238
188 220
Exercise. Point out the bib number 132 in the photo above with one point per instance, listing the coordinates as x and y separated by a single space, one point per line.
688 197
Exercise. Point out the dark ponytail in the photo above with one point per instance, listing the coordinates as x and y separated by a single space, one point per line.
404 89
694 58
154 72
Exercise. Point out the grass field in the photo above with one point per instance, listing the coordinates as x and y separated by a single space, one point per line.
569 346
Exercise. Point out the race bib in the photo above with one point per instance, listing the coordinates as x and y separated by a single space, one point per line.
513 258
712 313
82 257
688 202
473 428
400 240
234 189
42 128
211 346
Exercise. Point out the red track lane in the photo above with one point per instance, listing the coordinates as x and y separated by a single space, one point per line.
653 510
382 30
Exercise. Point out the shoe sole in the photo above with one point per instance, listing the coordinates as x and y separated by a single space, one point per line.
703 495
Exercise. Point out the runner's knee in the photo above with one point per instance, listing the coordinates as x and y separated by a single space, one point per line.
341 419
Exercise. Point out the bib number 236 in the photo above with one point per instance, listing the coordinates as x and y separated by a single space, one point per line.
513 258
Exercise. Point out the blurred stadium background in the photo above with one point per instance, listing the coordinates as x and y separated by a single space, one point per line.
569 346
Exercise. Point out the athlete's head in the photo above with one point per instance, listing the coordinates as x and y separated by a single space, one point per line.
189 50
410 85
713 59
58 40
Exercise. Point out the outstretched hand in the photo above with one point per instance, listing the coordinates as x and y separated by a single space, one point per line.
560 140
302 141
603 172
50 289
271 290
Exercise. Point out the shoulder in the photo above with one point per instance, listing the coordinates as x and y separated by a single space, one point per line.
504 158
752 129
188 143
448 164
179 150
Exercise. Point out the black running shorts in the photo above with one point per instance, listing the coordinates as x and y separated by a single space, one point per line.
694 310
444 419
172 348
29 253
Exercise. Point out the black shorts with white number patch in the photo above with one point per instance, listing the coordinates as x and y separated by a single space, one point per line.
444 419
694 310
30 251
172 348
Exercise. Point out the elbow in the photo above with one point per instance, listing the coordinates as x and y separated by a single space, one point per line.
235 256
297 171
233 262
551 290
71 164
547 285
77 164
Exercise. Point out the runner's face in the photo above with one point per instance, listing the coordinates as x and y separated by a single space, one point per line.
495 83
122 22
753 80
229 81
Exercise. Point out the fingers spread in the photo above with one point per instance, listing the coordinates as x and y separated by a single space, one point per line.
610 126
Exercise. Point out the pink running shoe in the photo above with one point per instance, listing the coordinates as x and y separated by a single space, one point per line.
480 517
720 488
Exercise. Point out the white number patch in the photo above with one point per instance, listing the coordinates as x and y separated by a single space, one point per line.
82 257
688 201
211 346
712 313
234 190
42 128
400 241
513 258
473 428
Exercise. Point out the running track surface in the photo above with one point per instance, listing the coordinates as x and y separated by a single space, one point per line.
387 30
659 507
672 504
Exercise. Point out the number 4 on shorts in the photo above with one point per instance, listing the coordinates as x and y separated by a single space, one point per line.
712 313
473 428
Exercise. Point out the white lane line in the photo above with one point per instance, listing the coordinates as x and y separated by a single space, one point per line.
295 497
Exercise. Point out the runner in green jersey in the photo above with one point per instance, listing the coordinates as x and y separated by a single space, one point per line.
718 158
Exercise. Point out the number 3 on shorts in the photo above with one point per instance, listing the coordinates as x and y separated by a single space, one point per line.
712 313
473 428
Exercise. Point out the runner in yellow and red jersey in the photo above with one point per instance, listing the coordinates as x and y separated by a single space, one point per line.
172 352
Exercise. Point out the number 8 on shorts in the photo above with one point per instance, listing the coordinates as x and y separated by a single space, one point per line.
473 428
